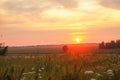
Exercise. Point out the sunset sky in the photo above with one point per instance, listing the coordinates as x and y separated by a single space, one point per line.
35 22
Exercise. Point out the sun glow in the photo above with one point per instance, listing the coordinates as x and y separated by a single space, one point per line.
78 40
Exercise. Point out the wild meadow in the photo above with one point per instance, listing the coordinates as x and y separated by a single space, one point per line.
59 39
93 65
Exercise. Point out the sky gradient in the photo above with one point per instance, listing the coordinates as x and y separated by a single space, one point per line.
35 22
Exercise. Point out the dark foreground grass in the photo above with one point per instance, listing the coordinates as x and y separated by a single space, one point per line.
61 67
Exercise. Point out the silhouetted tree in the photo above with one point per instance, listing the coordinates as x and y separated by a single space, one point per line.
102 45
3 50
65 48
113 44
110 45
118 43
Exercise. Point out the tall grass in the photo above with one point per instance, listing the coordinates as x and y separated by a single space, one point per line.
61 67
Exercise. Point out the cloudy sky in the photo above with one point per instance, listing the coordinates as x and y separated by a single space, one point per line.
30 22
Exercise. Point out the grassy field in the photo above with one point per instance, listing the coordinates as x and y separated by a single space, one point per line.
77 64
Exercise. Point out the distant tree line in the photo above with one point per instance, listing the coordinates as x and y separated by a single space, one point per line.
110 45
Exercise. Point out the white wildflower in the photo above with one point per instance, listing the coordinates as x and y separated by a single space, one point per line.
26 73
110 72
39 74
32 72
29 73
40 77
88 72
39 70
33 68
42 68
92 79
98 75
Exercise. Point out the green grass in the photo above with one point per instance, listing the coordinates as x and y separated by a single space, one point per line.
60 67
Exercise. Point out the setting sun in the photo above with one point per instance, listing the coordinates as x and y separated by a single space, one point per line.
78 40
49 22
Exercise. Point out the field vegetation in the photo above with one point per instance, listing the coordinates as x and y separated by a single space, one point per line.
97 64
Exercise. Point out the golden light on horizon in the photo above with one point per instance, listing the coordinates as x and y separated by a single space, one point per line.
67 21
78 40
